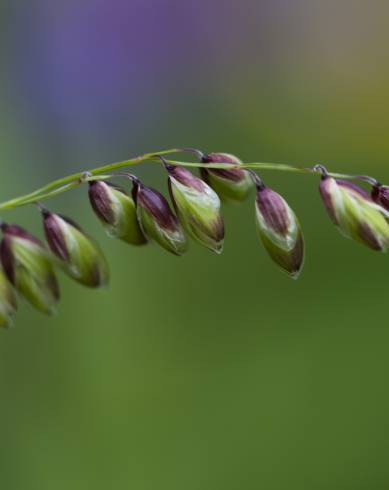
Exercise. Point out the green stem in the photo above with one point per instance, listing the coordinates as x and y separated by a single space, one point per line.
75 180
71 181
280 167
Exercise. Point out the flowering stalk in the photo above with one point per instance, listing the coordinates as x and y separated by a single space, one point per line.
139 215
74 180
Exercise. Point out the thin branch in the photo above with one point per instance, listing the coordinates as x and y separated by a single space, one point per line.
71 181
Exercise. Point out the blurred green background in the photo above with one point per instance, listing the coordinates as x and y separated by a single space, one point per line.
205 372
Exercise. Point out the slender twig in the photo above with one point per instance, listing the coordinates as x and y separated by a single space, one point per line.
74 180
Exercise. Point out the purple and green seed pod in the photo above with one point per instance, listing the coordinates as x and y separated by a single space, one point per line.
279 230
380 195
8 303
29 268
78 254
117 212
230 184
355 213
157 220
198 208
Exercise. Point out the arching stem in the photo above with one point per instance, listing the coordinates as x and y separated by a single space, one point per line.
71 181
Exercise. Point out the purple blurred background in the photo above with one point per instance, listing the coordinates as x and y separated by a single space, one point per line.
141 75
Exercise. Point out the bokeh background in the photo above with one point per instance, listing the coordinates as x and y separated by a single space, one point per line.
205 372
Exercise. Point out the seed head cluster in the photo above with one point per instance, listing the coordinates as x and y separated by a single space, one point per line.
142 215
